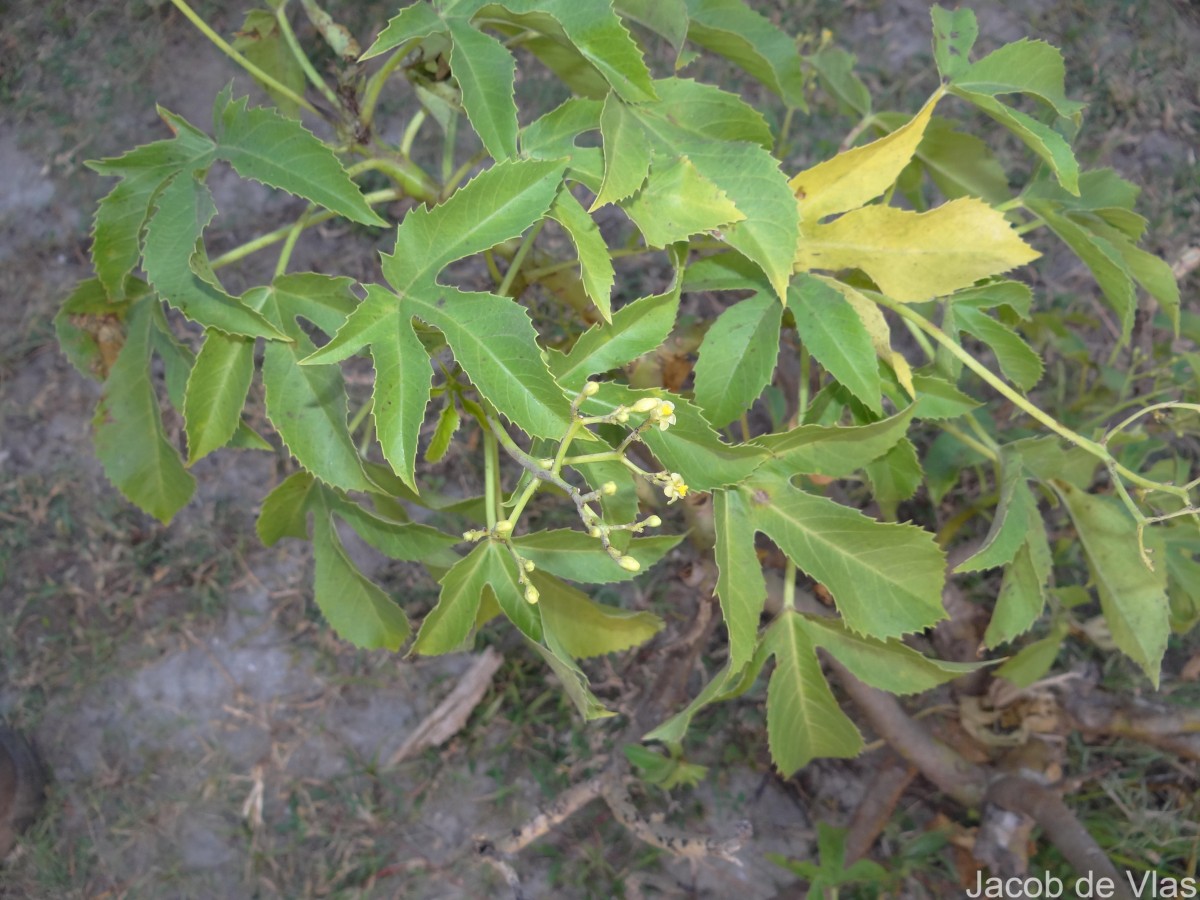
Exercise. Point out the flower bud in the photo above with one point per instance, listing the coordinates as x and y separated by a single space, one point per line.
608 488
528 565
621 415
645 405
594 532
629 564
531 595
590 389
503 528
652 522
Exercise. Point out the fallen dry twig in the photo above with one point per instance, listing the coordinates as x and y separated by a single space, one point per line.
449 717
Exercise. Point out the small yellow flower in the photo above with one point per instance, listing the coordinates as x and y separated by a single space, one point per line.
665 415
674 487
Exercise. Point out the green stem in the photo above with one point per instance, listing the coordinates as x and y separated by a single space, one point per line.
543 271
306 65
274 237
289 243
805 378
412 179
366 113
515 266
462 172
1125 423
964 438
584 459
223 45
410 132
361 414
789 585
1090 446
491 461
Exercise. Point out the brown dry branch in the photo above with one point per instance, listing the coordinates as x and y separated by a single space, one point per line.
975 786
879 801
1098 714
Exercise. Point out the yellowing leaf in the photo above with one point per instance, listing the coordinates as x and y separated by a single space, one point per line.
856 176
917 256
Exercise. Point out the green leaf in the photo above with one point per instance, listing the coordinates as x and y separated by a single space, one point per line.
284 512
122 214
1132 596
306 404
184 208
443 433
407 541
836 336
690 447
835 67
895 476
492 337
579 557
260 41
1022 594
835 450
1025 67
961 165
938 399
584 628
485 71
1100 256
552 137
804 721
594 31
1043 140
724 272
886 579
596 268
917 256
262 145
677 202
352 604
758 46
636 329
626 152
737 357
1018 361
1151 272
216 392
1013 515
1034 660
666 18
572 679
1013 294
414 21
888 665
706 125
448 624
954 35
402 376
741 588
128 432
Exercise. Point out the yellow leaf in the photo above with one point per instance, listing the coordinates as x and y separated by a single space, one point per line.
917 256
853 178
